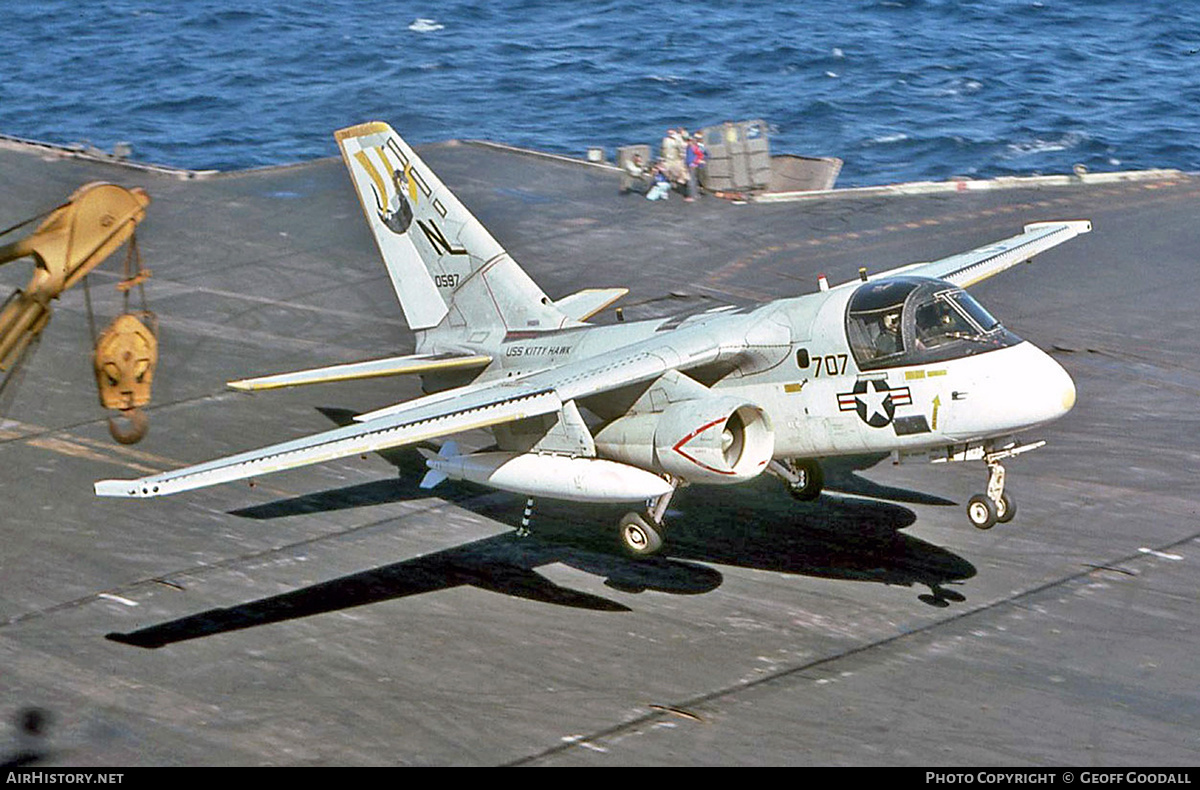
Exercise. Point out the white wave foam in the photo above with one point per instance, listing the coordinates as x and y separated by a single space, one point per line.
1040 146
421 25
960 88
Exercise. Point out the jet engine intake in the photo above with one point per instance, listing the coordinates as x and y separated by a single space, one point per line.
709 440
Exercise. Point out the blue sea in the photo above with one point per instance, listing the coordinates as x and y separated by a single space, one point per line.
899 89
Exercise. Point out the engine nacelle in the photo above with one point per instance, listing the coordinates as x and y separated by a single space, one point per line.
707 440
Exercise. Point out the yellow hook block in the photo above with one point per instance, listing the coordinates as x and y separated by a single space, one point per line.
124 361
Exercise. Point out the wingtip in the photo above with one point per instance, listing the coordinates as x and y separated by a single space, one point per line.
1078 225
115 488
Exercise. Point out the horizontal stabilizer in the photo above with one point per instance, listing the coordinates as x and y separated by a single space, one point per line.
584 304
392 366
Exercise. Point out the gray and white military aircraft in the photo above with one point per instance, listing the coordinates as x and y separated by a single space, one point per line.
904 362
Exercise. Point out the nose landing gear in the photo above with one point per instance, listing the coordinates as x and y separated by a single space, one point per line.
995 507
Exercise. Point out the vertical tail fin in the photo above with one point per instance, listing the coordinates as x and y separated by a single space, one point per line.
445 267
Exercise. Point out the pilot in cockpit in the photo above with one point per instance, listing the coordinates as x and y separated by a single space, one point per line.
888 339
938 323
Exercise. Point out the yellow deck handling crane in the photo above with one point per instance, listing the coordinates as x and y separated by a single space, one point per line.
71 240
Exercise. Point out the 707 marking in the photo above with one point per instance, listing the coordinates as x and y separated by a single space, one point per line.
834 364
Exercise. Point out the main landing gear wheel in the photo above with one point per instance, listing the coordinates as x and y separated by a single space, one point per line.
639 536
810 480
643 535
802 476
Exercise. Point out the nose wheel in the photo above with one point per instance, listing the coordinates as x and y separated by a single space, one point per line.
1005 509
982 512
995 507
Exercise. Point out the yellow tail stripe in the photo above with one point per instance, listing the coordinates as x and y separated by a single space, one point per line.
380 189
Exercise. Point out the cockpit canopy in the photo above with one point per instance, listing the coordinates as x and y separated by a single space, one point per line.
901 321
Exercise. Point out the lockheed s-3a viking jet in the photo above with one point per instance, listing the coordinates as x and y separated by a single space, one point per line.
905 362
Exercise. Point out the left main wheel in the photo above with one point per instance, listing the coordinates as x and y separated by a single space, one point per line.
639 536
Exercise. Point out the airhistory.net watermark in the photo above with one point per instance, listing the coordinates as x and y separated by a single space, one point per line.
62 778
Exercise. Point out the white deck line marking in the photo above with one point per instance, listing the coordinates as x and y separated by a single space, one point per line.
117 598
1160 554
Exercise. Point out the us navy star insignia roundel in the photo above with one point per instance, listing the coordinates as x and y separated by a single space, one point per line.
874 401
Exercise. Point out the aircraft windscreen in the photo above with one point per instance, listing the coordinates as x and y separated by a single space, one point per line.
975 310
911 321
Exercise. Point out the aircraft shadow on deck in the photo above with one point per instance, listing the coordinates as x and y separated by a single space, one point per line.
755 525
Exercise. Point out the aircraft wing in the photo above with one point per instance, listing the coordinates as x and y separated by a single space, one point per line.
476 405
968 268
407 427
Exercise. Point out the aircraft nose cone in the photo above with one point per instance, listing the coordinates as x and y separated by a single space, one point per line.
1068 393
1052 392
1023 388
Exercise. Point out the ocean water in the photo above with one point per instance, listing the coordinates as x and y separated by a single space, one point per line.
899 89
